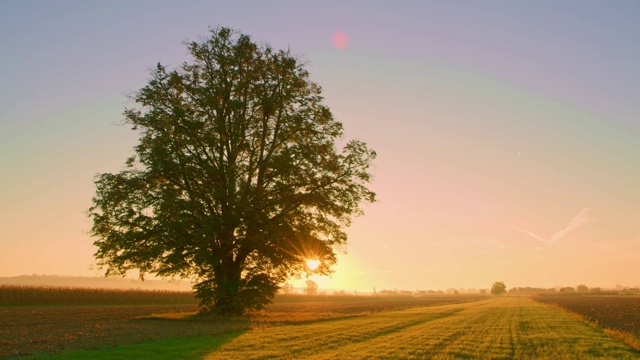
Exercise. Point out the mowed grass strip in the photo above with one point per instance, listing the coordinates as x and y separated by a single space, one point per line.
503 328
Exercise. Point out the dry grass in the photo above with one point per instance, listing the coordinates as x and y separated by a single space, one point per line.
626 338
299 308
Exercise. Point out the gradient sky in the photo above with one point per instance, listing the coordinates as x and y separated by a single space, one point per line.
508 132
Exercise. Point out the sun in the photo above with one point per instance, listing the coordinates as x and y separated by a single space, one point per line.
313 264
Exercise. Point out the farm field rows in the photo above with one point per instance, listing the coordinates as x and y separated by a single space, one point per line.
16 295
499 328
613 312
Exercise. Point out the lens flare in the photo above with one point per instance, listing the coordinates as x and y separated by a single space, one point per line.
313 264
340 40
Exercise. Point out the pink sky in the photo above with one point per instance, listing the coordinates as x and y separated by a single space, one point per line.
507 133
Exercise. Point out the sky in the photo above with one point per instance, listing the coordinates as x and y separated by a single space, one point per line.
507 132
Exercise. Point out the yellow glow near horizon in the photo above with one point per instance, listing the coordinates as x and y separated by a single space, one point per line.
313 264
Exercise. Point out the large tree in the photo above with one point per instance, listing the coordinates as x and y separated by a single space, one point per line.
237 178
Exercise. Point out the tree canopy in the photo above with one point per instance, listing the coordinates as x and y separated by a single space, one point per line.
237 178
498 288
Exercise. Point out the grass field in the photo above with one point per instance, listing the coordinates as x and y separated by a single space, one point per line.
499 328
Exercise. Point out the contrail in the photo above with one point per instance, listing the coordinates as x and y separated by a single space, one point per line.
577 221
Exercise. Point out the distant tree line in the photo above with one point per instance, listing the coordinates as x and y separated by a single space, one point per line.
569 290
530 290
450 291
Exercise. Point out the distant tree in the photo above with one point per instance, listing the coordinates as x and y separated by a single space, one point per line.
498 288
583 288
483 291
311 287
567 289
287 288
237 178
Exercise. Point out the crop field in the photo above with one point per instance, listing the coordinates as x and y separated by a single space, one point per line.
26 330
614 312
496 328
50 295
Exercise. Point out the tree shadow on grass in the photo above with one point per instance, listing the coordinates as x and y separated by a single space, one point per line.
187 348
175 348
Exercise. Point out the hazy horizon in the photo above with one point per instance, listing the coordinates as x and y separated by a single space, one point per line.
507 133
115 282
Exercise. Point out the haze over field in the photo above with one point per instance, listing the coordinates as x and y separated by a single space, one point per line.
507 134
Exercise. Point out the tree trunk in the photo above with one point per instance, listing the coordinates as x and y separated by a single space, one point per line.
227 287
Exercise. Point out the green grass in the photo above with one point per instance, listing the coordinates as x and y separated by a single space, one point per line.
501 328
190 348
